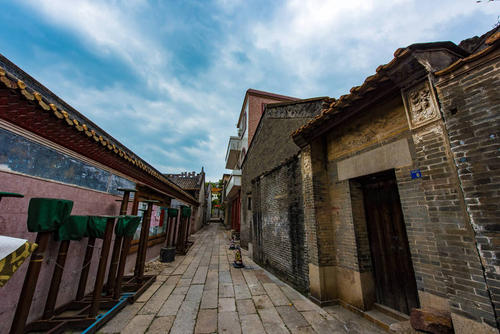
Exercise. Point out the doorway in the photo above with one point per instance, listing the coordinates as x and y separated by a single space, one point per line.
394 276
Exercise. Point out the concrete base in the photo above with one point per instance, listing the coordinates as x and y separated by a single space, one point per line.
430 300
355 288
328 284
323 302
322 283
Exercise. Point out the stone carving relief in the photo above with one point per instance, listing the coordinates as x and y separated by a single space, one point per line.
420 104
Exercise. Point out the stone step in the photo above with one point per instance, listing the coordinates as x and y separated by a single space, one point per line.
380 318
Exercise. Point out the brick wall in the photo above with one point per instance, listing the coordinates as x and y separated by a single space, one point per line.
271 146
279 240
446 220
470 102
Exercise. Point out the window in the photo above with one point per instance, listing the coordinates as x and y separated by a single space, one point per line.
249 202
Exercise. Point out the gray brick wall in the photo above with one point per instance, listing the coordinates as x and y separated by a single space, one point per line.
446 227
279 240
470 102
271 146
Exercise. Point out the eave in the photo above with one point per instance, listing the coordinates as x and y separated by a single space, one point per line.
42 114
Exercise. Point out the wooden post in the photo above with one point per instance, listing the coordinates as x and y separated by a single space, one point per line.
176 229
50 304
115 256
121 266
143 241
80 293
170 230
182 230
188 229
30 280
101 270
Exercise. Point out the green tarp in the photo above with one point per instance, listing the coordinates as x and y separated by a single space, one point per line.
73 228
127 225
185 211
172 212
97 226
47 214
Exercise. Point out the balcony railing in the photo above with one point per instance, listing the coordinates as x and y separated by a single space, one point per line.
233 152
234 184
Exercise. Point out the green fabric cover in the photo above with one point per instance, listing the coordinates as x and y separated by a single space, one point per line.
172 212
97 226
127 225
8 194
186 211
73 228
47 214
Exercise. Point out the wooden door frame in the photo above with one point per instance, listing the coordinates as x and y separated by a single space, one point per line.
360 218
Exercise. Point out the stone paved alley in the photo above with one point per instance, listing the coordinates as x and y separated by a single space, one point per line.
202 293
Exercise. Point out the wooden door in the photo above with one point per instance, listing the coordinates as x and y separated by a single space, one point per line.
393 269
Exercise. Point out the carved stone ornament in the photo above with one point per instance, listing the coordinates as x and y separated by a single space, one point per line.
420 104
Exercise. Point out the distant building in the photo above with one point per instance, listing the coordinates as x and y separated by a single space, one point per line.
253 106
272 219
194 184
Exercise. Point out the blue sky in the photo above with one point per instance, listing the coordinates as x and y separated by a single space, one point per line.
167 78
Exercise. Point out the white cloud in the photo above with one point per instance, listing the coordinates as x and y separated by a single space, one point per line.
319 36
300 48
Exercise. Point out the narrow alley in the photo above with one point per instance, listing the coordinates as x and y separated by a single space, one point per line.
202 293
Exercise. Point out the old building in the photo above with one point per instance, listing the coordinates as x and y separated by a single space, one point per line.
401 189
272 224
194 184
251 111
49 149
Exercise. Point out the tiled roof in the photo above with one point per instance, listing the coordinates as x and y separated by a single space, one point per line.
493 42
187 181
337 106
32 91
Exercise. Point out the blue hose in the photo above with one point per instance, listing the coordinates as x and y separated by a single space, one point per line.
122 299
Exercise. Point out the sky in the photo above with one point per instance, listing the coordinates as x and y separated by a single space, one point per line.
168 78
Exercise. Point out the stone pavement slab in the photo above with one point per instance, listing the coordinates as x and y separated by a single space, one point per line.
209 299
161 325
227 305
245 306
149 292
274 292
118 323
241 291
292 318
139 324
195 292
201 274
321 325
171 306
251 324
186 317
229 323
207 321
202 293
154 303
226 290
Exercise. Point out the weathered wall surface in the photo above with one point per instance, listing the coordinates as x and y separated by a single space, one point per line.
279 241
470 102
272 145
